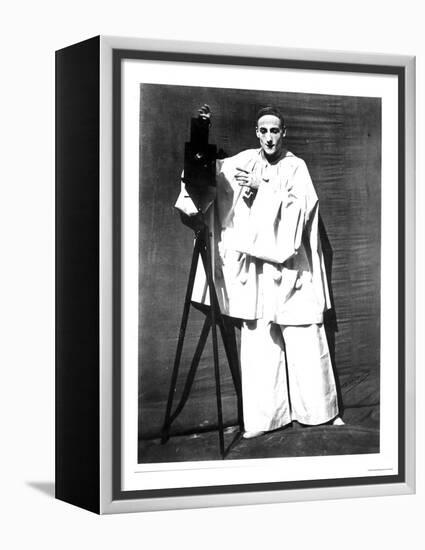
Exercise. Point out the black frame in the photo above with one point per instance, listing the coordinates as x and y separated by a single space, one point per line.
77 467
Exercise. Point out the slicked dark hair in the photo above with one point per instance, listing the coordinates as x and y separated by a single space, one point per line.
270 110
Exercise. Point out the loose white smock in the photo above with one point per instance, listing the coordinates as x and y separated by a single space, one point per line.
269 270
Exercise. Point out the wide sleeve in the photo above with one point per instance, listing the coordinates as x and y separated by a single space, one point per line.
186 202
298 202
279 216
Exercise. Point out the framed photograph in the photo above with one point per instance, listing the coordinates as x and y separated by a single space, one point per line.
235 268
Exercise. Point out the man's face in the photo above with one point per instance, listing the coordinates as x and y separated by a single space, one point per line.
270 133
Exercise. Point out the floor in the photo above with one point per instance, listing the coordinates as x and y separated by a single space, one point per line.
293 440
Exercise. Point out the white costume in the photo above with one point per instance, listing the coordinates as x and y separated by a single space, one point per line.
269 272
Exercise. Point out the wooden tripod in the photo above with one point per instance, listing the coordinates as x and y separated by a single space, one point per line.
213 319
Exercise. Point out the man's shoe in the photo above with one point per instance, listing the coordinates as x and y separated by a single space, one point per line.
250 435
338 421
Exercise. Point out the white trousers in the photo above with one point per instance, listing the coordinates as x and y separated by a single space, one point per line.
286 375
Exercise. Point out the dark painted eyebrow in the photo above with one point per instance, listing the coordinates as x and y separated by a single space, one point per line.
271 128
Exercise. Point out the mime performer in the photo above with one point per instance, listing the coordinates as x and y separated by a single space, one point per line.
269 272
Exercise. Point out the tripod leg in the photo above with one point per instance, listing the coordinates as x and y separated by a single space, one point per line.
214 305
229 340
182 332
193 367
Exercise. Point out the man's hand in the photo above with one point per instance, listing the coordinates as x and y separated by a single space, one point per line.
246 179
205 113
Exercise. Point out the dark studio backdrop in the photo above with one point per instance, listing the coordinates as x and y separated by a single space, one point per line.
340 140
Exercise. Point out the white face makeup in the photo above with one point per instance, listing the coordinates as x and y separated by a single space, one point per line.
270 133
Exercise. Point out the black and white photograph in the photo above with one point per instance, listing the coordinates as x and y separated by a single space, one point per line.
281 192
260 262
